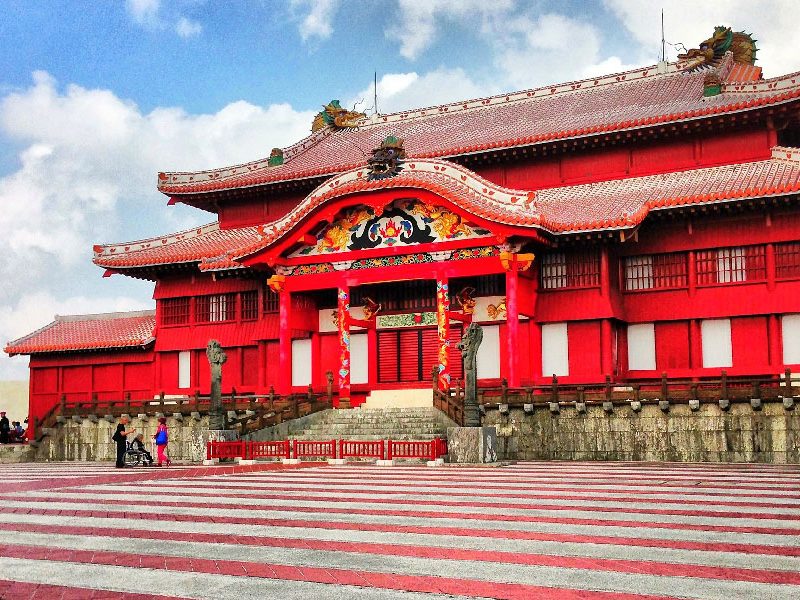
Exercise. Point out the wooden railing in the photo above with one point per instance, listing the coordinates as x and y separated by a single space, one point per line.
254 411
724 389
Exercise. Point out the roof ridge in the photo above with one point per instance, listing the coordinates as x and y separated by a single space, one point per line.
104 316
170 238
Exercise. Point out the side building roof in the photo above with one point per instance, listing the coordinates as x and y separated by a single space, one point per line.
634 99
89 332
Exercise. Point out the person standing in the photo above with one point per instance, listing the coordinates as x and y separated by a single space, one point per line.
120 437
5 428
162 439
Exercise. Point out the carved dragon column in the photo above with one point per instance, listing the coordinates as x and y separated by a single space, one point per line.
216 358
343 323
443 325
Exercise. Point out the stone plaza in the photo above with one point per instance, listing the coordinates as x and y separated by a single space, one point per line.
551 530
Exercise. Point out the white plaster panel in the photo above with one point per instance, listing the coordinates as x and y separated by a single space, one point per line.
359 358
716 338
301 362
482 308
184 369
488 358
791 339
555 350
642 347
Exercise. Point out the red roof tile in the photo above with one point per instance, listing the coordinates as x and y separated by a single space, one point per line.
638 98
616 204
88 332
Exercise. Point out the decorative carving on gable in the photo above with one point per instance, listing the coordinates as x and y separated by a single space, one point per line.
405 222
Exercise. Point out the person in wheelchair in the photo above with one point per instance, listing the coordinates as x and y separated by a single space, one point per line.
138 453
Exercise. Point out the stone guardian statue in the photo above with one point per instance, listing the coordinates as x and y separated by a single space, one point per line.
468 345
216 358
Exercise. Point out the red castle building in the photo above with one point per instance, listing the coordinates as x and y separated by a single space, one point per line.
623 226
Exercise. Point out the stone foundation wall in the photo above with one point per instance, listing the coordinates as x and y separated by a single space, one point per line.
91 441
708 434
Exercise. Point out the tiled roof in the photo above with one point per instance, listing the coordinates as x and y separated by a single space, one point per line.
638 98
88 332
187 246
616 204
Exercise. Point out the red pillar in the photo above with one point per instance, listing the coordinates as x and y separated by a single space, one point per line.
607 347
605 273
262 366
285 343
512 329
770 264
695 345
775 342
692 273
316 360
372 356
343 323
443 329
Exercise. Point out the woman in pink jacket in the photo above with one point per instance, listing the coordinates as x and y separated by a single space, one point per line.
162 438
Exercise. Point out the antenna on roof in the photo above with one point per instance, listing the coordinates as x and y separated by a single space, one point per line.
375 89
662 64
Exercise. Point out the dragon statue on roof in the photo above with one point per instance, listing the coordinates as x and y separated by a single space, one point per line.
711 51
386 160
333 115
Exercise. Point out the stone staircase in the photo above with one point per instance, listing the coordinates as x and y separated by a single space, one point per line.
408 423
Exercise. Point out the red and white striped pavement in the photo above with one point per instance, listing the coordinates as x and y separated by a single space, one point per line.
614 531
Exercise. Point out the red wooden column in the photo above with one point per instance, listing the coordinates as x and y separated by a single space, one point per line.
343 323
372 356
262 366
695 345
513 264
276 283
774 335
607 347
770 264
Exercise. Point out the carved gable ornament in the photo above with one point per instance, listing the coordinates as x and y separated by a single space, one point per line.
404 222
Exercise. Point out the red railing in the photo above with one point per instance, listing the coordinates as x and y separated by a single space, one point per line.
309 448
430 450
380 449
361 449
280 449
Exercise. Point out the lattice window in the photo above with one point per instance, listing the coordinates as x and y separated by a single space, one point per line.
570 270
272 300
175 311
249 302
731 265
787 260
656 272
216 308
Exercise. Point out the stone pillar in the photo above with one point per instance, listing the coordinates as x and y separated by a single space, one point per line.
343 323
468 345
443 326
285 343
216 358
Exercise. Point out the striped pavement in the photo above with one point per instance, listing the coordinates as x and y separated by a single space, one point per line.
561 531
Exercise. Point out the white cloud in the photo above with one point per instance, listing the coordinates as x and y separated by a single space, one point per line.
144 12
773 24
87 174
317 19
187 28
417 23
403 91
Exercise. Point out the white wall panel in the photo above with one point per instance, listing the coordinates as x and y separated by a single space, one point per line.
642 347
488 357
791 339
301 362
716 336
359 358
555 350
184 369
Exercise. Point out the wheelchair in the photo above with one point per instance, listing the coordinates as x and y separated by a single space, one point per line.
133 457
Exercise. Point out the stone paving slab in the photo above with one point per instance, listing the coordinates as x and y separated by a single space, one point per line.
613 531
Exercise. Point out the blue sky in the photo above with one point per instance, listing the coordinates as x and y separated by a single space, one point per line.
97 97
